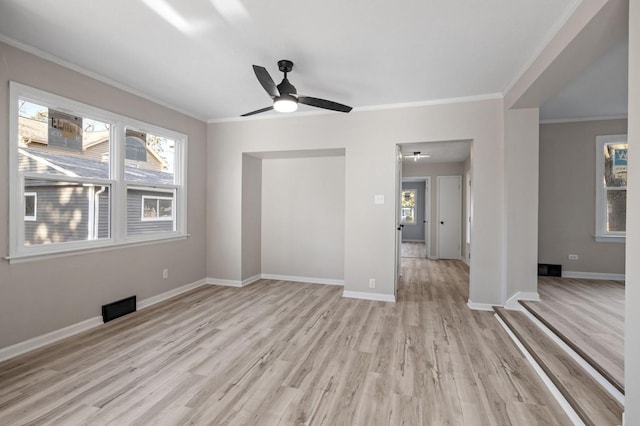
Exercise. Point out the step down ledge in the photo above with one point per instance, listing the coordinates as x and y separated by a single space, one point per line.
611 383
589 400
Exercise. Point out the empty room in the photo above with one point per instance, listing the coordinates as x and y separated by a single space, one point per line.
232 212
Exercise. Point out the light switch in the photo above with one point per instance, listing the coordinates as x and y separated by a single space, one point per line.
378 199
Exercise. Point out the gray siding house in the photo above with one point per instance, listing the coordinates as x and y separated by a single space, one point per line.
57 211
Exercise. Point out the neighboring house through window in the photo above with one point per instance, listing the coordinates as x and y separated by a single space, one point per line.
89 178
611 188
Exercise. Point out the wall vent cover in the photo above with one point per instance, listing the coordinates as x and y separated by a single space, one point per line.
548 270
119 308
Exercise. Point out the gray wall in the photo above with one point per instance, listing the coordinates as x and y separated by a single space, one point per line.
418 169
303 217
567 198
415 231
251 216
41 296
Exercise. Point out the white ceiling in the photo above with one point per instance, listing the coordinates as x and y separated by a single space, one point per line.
600 91
196 55
439 152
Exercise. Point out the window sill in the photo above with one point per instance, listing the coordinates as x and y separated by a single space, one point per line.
30 257
610 238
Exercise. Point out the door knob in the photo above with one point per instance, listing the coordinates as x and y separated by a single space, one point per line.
441 223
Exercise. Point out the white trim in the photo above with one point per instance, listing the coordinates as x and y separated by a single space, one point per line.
48 338
512 302
117 183
251 280
169 294
581 119
593 275
369 296
433 257
479 306
569 411
58 61
226 283
601 233
413 241
610 238
84 250
310 280
577 358
434 102
62 333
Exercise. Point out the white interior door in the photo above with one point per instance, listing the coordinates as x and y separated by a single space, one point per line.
449 216
427 217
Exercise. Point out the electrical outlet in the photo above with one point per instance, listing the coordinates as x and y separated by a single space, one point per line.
372 283
165 274
573 257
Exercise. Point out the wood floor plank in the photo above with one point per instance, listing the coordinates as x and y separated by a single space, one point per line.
589 316
590 401
287 353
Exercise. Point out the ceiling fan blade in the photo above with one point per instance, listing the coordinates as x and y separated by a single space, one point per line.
323 103
266 81
258 111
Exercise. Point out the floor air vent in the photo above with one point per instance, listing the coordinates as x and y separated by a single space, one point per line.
117 309
547 270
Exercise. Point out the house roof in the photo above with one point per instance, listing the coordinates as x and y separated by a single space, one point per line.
75 166
35 131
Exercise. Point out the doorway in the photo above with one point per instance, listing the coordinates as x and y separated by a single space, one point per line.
416 217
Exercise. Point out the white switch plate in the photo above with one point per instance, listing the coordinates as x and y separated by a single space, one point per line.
573 257
378 199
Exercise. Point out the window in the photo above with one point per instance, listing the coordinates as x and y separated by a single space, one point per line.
30 206
157 208
90 178
408 209
611 188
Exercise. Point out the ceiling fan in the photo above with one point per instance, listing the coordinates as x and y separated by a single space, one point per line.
284 95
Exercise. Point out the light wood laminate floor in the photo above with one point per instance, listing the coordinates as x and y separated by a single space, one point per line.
412 249
590 315
288 353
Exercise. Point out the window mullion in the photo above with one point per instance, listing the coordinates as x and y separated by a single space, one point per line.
119 212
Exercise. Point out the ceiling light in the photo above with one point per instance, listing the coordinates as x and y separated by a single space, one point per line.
285 103
417 155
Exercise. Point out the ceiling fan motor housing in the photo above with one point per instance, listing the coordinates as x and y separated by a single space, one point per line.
286 88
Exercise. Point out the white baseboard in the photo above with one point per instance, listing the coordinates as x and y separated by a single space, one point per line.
251 280
593 275
413 241
302 279
168 294
226 283
369 296
63 333
479 306
512 302
433 257
45 339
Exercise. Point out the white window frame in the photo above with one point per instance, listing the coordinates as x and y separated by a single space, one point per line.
18 252
601 233
35 206
143 218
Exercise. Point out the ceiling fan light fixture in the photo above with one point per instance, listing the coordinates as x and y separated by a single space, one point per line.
285 103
